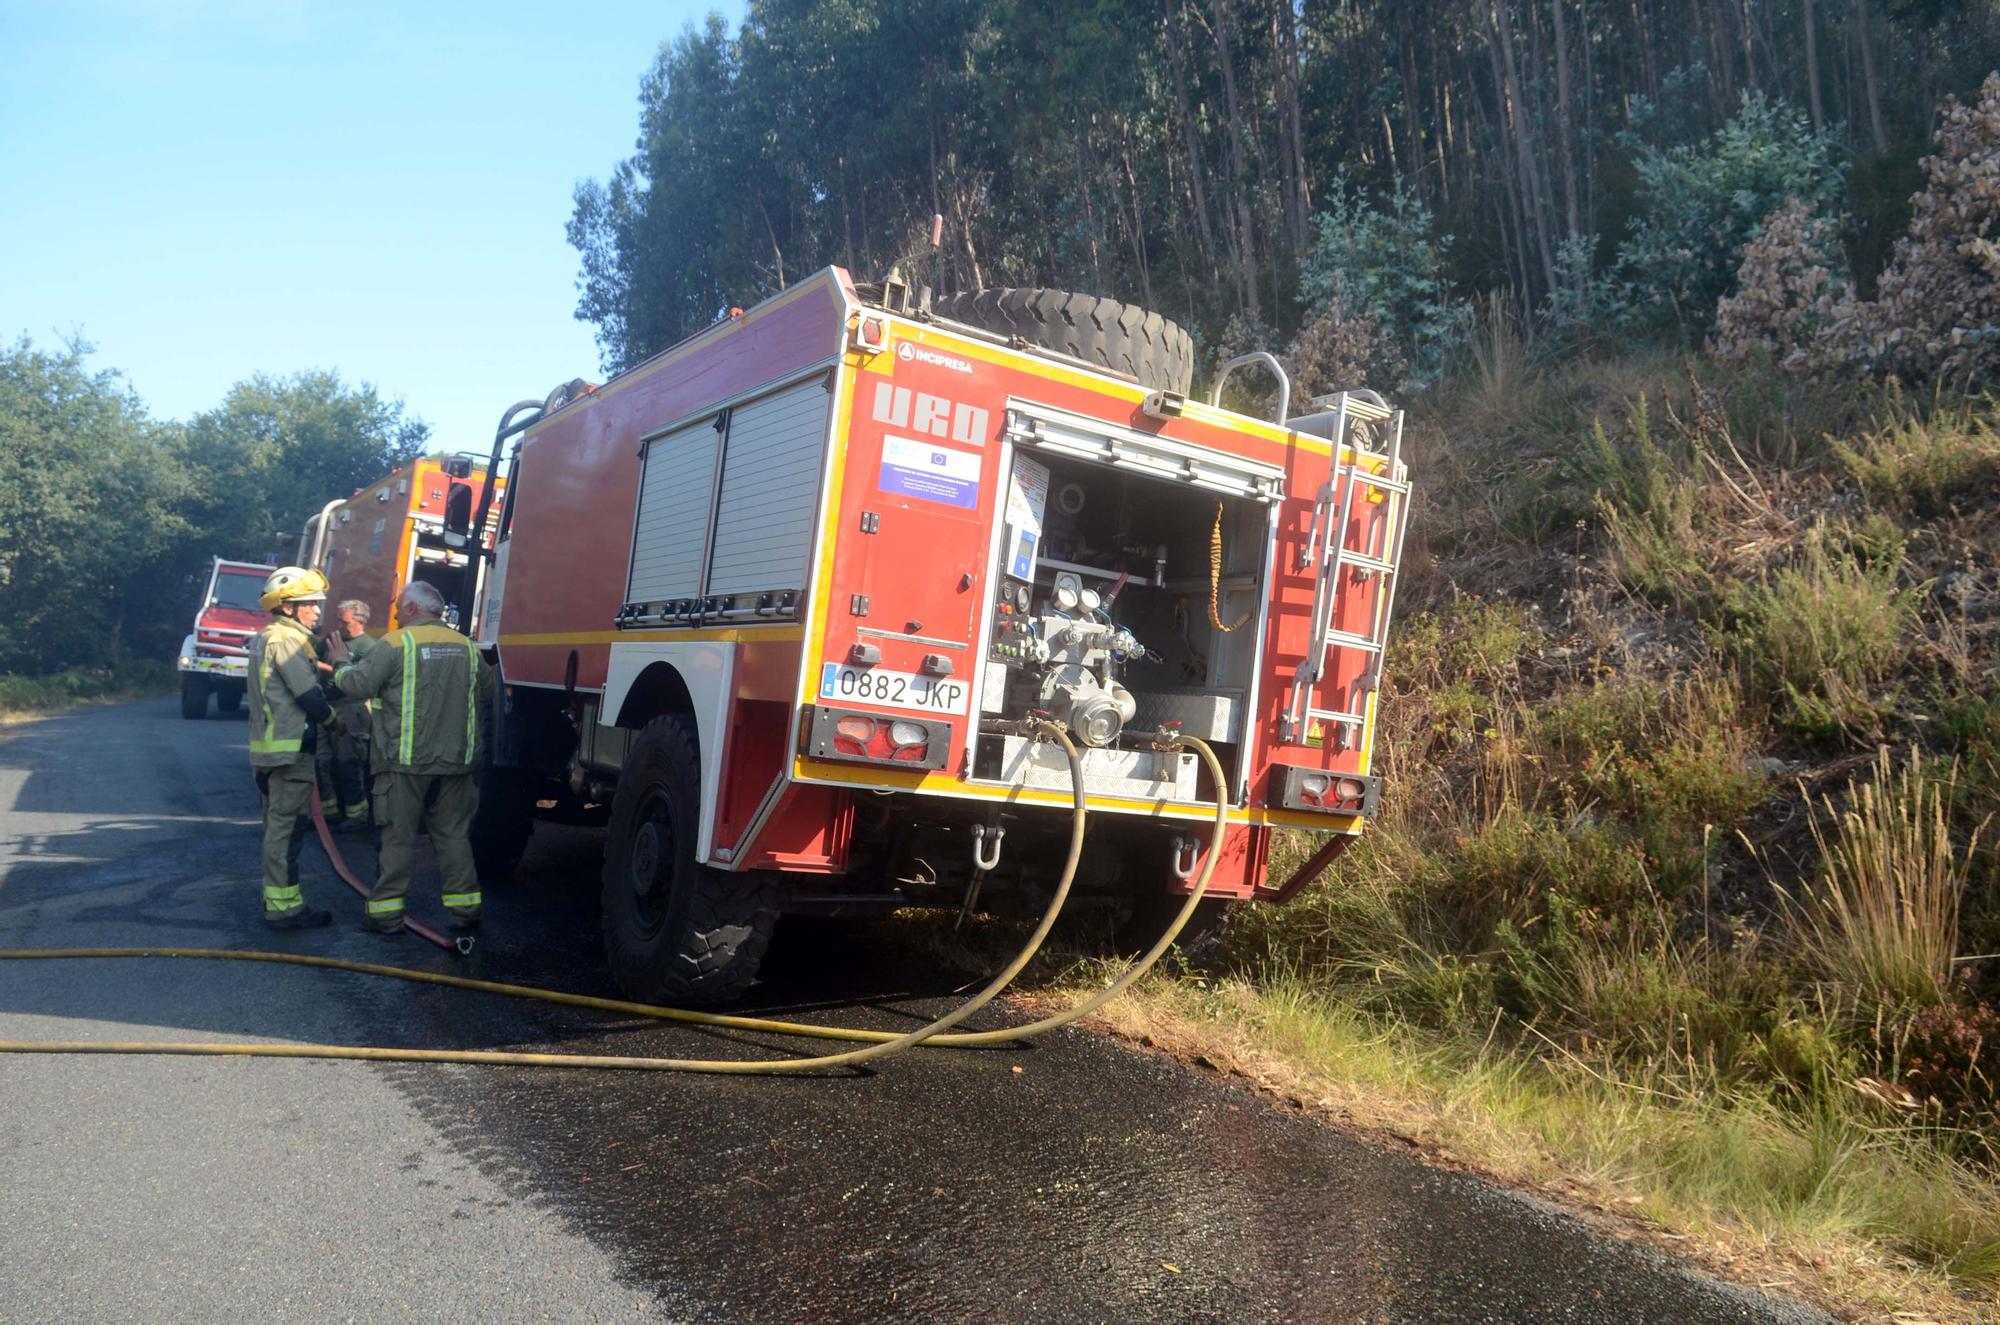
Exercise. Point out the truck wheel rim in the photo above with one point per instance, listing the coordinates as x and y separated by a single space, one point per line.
652 857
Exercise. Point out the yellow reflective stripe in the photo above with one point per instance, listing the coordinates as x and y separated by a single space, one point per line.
391 906
265 674
269 747
407 742
459 901
285 897
471 701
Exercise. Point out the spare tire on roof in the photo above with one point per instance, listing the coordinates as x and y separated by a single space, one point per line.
1122 337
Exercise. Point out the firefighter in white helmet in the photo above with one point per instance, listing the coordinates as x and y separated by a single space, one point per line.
287 712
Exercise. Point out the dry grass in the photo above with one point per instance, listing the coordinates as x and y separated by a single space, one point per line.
1882 924
1846 1210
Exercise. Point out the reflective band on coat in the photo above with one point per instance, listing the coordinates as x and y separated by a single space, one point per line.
407 738
266 674
270 747
471 703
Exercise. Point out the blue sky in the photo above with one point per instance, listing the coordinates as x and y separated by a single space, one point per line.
209 190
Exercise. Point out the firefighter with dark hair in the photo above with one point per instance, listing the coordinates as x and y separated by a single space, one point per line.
430 682
287 712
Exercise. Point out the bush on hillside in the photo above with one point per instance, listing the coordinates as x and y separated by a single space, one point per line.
1937 311
1702 203
1383 261
1791 291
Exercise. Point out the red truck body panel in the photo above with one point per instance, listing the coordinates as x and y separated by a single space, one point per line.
923 430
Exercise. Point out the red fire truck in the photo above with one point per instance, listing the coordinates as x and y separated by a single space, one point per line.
214 658
408 525
781 600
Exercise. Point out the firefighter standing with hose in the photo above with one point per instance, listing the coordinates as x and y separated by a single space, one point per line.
430 682
287 711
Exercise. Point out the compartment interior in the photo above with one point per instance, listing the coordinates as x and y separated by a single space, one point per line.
1139 550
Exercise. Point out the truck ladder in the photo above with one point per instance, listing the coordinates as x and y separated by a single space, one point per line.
1369 568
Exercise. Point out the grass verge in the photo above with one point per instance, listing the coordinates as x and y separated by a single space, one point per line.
25 698
1847 1206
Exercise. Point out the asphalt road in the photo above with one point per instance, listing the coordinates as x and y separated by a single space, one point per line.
1092 1184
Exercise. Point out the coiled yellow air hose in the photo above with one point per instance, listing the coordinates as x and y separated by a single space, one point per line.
1215 579
880 1044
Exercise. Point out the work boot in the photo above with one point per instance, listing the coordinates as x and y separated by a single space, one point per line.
306 917
374 928
459 924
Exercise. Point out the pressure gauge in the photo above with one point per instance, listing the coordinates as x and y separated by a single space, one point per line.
1090 600
1023 599
1068 592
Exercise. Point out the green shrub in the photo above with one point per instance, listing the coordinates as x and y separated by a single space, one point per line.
1649 503
1818 633
1383 261
1702 203
1923 466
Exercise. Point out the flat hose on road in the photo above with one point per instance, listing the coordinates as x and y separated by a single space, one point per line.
881 1044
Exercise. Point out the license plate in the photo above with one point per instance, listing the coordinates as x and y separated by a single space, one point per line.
902 690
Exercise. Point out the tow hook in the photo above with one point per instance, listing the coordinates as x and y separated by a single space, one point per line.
981 861
1186 853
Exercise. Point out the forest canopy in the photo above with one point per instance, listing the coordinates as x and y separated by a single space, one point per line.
1594 160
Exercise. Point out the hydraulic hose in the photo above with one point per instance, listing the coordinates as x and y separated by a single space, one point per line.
880 1043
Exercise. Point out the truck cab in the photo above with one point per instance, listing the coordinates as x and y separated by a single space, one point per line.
214 656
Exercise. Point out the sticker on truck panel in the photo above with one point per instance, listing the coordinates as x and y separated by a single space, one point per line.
930 472
902 690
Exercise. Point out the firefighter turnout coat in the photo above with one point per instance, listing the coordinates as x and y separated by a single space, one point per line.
430 681
285 699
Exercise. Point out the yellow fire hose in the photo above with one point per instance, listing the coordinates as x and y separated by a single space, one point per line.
880 1044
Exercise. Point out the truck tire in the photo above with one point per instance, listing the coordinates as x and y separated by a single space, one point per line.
228 698
194 696
504 822
1198 945
675 931
1122 337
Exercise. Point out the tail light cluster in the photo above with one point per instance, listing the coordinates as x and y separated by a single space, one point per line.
1329 793
875 738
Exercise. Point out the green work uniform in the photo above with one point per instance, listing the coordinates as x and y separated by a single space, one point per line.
342 755
428 682
286 708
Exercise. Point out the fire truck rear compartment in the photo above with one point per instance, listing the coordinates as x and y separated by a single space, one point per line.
1116 612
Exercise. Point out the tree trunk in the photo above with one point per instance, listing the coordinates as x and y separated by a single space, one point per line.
777 252
1565 125
1868 76
1812 68
1197 173
1239 181
1295 135
1514 118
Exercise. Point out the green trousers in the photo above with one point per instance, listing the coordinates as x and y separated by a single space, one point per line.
342 759
287 793
443 805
